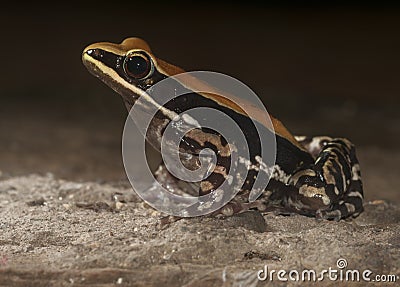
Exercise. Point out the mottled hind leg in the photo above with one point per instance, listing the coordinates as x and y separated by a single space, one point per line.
331 188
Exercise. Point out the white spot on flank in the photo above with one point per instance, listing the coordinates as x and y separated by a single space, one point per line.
248 164
191 121
279 174
229 178
232 148
275 171
217 195
259 159
263 166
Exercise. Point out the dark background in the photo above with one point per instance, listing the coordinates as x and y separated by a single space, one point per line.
321 69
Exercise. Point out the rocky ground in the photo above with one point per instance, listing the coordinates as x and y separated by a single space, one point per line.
63 233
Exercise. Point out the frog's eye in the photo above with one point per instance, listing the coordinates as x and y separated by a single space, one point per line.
137 65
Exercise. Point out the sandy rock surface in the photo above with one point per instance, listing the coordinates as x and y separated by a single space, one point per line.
62 233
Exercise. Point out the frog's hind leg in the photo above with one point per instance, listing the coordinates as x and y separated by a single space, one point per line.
331 188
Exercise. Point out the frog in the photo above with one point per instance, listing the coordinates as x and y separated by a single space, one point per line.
314 176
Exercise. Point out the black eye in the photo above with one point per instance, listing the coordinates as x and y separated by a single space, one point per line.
137 66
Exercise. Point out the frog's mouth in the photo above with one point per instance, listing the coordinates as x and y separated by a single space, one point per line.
92 60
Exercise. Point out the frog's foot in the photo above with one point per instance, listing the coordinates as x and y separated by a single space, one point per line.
165 221
173 184
337 212
350 205
331 188
235 207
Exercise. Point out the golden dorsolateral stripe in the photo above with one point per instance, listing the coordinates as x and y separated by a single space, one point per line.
222 98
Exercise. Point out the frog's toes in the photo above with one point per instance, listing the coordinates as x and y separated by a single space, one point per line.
335 215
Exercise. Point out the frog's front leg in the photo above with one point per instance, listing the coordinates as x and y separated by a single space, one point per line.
173 184
331 188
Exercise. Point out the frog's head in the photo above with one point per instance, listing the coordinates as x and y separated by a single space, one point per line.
128 68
